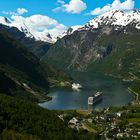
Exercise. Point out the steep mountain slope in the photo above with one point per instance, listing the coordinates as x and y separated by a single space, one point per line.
23 78
117 19
37 43
22 74
39 48
84 46
21 25
123 55
20 70
109 44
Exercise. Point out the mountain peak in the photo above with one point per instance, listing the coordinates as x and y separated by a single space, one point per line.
21 26
116 18
70 30
7 20
4 20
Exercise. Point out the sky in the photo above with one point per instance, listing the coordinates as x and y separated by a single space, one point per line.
61 13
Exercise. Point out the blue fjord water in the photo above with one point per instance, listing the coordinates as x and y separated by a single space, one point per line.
114 93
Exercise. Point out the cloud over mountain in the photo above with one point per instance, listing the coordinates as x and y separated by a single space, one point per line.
19 11
37 26
116 5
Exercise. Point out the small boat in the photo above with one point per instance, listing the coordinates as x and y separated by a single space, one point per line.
95 98
76 86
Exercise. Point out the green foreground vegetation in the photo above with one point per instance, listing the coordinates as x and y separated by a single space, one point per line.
20 119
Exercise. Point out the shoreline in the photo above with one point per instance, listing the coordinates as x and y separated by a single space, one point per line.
136 96
133 101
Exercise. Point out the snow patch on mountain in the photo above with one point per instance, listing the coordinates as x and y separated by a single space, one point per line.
116 18
38 27
70 30
40 30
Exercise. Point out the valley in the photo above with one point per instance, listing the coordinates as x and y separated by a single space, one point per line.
37 70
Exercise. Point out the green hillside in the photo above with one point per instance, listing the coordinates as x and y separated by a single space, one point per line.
38 48
20 120
105 50
20 67
22 74
124 58
123 61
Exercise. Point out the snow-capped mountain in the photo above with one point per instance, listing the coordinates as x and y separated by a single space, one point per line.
38 36
70 30
29 32
116 18
80 49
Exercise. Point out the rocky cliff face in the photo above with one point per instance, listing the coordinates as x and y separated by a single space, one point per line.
95 41
83 48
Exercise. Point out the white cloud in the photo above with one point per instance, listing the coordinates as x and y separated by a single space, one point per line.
58 30
57 9
8 13
116 5
39 24
19 11
60 1
73 7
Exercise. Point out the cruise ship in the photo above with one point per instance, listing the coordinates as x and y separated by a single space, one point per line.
95 98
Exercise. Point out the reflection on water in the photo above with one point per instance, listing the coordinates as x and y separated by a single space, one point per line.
114 93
